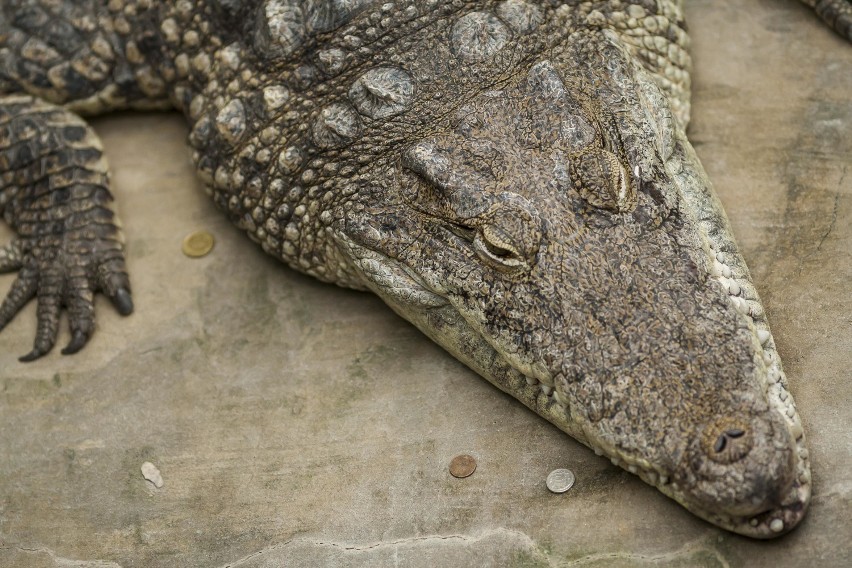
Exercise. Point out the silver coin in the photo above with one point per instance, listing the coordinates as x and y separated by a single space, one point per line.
560 480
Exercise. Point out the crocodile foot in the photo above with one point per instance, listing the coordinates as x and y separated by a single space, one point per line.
54 193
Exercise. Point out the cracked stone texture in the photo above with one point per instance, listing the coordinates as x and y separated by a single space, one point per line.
295 423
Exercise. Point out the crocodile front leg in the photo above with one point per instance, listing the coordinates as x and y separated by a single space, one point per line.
90 57
54 192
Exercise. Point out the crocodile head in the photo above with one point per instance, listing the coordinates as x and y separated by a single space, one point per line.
561 239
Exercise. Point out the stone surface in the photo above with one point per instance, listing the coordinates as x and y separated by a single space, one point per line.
300 424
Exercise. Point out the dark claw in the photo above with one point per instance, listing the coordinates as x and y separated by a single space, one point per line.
32 355
78 341
123 302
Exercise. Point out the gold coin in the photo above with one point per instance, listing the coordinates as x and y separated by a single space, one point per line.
197 244
462 466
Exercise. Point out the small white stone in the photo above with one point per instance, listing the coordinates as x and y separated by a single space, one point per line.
152 474
763 336
777 525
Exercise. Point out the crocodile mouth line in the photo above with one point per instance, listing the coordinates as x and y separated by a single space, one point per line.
539 387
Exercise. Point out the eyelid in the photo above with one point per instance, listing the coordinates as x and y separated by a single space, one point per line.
462 231
498 261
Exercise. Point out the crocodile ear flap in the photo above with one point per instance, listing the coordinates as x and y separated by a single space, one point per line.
601 179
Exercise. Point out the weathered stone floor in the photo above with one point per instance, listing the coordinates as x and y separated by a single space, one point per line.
297 424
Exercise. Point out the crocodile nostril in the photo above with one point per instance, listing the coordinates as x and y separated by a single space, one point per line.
722 441
726 442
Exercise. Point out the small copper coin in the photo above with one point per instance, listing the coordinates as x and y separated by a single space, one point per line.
197 244
462 466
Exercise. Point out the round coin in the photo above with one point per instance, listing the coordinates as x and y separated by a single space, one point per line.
560 480
462 466
197 244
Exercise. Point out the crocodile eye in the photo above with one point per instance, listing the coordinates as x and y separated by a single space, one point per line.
494 247
601 179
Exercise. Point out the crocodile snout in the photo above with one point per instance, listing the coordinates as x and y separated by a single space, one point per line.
741 467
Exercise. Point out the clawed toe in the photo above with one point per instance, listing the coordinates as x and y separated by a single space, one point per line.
31 356
78 341
123 302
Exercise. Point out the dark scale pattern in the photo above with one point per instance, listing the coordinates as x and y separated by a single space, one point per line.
88 56
512 176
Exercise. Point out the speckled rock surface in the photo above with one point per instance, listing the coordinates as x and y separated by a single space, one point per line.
295 423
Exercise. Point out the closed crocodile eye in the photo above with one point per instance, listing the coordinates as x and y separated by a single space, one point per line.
497 251
494 248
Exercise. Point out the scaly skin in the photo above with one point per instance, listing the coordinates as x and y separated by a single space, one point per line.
512 177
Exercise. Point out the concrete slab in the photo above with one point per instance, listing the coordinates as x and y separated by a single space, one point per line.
297 424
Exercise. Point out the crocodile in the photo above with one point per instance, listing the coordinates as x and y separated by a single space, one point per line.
513 177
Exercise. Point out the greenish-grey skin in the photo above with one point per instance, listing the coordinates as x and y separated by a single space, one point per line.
510 176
